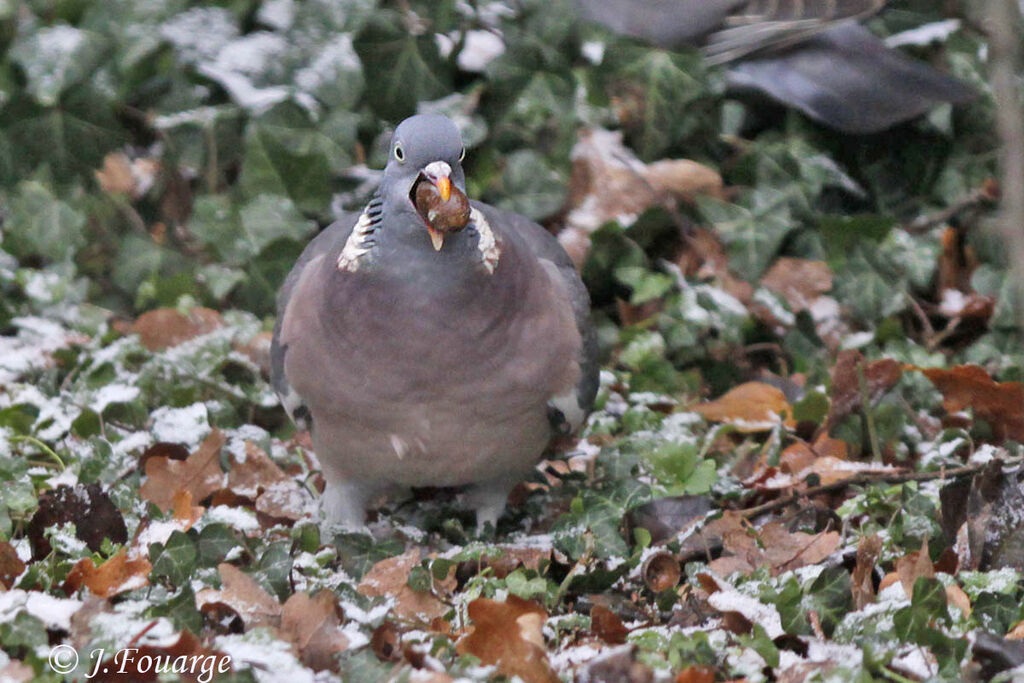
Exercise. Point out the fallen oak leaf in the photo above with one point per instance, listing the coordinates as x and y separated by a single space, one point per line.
862 586
313 626
750 407
845 391
1001 404
184 511
913 566
508 636
258 478
799 281
607 625
166 327
244 595
390 578
11 565
118 574
200 474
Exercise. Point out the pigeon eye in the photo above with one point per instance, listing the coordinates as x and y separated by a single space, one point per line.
462 155
399 152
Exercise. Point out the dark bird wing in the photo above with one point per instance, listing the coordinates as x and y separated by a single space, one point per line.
849 80
807 54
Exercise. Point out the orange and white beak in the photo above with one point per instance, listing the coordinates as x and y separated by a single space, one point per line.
439 173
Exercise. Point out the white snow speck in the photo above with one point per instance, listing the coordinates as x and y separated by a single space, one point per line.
54 612
187 426
113 393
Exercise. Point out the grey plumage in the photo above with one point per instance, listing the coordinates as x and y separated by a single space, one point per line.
439 368
808 54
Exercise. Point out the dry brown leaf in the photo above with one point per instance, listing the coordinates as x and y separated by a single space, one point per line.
798 281
257 350
117 575
609 182
244 596
606 625
773 546
879 377
390 577
913 566
166 327
1001 404
696 674
508 636
184 511
863 587
200 474
750 407
11 565
116 175
956 597
386 642
258 478
512 557
313 625
1016 633
796 458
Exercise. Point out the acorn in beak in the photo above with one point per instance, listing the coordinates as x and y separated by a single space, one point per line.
443 207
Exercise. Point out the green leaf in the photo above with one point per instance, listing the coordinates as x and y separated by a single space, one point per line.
419 579
56 57
759 641
530 186
404 68
23 631
359 552
664 85
286 155
174 560
829 595
180 609
996 612
268 218
214 543
275 568
754 231
40 224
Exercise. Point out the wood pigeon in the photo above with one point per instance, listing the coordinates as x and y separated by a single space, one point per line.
430 340
808 54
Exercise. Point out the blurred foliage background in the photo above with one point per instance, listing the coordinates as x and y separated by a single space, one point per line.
235 123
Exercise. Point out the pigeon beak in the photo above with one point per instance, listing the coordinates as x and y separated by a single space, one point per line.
436 238
444 187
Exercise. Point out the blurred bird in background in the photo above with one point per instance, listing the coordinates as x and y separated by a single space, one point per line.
809 54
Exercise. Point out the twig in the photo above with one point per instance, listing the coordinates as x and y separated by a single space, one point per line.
867 479
41 446
985 194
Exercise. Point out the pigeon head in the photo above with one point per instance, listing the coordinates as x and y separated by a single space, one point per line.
424 175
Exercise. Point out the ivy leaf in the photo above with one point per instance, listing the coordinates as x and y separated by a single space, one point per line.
174 560
214 543
404 68
40 224
56 57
